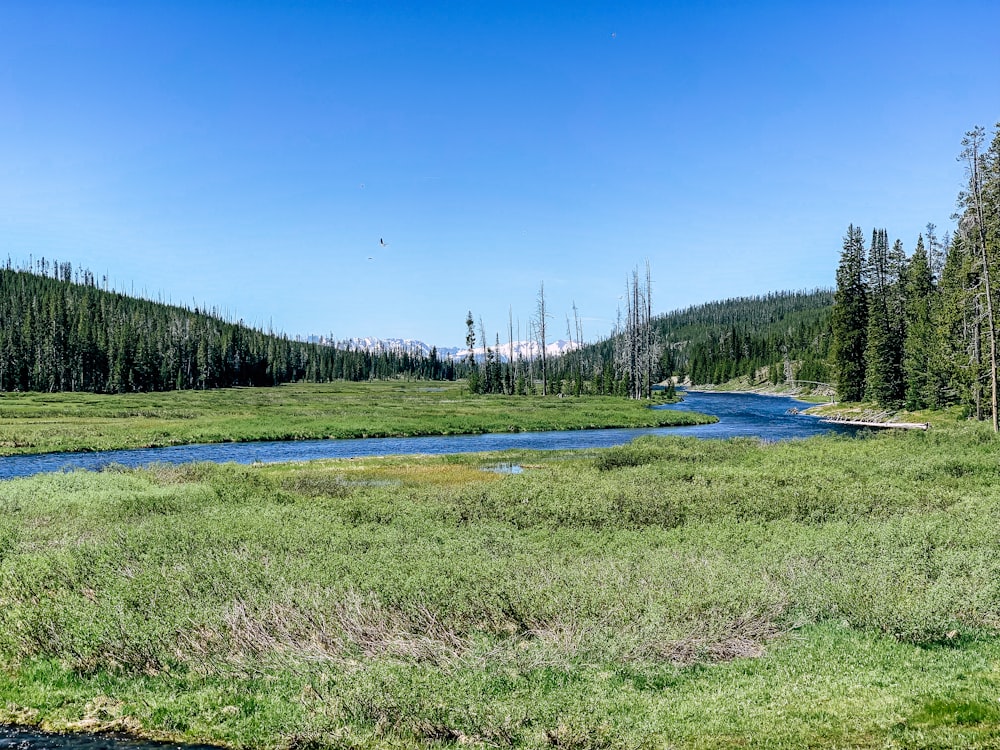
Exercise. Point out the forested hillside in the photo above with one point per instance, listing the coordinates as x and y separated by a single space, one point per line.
786 332
719 341
60 332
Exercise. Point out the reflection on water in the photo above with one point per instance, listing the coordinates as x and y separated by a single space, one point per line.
12 738
505 468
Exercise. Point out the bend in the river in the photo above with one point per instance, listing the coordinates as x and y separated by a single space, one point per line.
740 415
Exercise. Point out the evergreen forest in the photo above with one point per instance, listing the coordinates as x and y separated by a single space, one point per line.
788 333
59 331
919 330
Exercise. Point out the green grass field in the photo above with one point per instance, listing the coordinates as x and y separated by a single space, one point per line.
670 593
51 422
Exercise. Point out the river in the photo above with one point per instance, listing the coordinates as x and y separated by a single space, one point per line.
740 415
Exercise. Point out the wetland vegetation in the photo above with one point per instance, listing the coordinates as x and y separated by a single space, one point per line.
825 593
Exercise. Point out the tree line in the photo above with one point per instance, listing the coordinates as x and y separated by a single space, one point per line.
920 331
783 334
60 331
626 367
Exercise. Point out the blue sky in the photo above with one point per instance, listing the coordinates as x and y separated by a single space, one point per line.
251 155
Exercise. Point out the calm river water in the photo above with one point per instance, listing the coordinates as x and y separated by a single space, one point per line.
740 415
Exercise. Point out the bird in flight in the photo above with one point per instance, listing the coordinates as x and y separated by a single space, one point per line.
382 242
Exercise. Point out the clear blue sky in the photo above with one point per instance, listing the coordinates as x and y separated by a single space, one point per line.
251 155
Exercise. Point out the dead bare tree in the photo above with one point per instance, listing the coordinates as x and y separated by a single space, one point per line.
972 154
579 348
635 344
511 366
647 325
541 318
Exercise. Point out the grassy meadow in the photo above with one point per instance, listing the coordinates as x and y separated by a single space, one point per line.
55 422
669 593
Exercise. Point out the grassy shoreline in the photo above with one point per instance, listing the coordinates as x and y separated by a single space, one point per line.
822 593
51 423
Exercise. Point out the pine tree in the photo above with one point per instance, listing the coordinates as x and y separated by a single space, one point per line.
956 329
919 345
884 383
850 318
472 378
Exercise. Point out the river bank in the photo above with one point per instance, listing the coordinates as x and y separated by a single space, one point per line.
765 389
33 423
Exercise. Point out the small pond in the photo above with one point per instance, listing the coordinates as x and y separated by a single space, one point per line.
16 738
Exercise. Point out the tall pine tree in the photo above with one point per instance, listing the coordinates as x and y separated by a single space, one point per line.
850 318
884 351
921 392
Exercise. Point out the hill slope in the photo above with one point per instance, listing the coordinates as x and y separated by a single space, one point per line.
715 342
788 332
61 335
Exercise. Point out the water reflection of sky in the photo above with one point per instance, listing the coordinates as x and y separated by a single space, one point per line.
752 415
27 739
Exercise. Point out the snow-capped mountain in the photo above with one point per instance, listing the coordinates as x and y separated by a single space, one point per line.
371 344
522 350
519 349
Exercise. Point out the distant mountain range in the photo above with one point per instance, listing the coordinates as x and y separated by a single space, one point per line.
521 349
